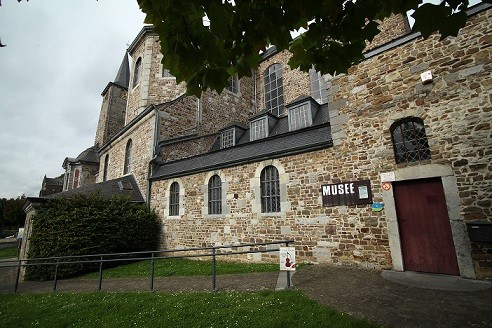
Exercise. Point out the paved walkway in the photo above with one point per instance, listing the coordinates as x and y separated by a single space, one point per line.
391 299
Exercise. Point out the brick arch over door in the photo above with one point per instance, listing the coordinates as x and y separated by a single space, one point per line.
457 225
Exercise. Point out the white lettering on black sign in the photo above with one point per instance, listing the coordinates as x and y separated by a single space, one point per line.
347 193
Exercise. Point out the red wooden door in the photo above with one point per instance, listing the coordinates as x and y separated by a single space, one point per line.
425 232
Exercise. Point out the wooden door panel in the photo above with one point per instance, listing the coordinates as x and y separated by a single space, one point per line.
425 231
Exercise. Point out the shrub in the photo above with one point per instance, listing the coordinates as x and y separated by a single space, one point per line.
89 224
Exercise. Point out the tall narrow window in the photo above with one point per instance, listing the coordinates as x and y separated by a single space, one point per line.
137 71
76 177
274 90
233 84
128 157
174 199
318 87
215 195
105 169
270 190
410 141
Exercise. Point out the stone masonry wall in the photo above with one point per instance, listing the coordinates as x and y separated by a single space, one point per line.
142 146
153 88
112 115
456 109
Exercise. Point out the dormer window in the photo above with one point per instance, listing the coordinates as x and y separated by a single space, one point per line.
258 129
227 138
301 114
300 117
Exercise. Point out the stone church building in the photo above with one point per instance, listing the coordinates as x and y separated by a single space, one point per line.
385 167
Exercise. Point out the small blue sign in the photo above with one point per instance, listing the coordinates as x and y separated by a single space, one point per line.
377 207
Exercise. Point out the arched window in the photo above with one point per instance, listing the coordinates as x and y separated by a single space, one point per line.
137 72
270 190
174 199
409 140
128 157
215 195
274 90
105 169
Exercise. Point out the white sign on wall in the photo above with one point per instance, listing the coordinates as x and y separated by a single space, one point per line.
287 258
387 176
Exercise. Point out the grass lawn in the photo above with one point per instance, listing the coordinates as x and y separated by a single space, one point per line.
146 309
8 252
182 267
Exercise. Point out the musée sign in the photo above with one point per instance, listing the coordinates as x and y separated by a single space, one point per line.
347 193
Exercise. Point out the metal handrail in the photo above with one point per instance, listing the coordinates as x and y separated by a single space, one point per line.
151 255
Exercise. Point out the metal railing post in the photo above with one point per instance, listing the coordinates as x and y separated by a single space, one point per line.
152 267
56 275
100 273
18 275
288 272
214 272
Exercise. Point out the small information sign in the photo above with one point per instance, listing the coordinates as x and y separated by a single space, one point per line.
287 258
387 176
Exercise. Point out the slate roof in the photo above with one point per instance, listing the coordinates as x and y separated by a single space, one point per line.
281 142
123 76
89 155
110 188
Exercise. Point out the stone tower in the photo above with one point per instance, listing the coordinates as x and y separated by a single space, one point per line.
113 108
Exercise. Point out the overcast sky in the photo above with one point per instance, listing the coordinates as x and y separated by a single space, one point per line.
59 57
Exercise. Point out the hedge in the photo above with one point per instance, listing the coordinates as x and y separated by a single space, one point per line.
89 224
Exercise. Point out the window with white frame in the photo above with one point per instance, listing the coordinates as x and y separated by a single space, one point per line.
233 84
274 90
227 138
258 129
215 195
300 117
318 87
174 199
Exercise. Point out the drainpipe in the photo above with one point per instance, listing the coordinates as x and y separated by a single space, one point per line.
154 155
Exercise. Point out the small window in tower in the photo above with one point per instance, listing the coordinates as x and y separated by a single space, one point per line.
137 72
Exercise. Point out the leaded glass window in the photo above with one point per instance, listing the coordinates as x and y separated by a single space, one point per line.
270 190
233 84
259 129
274 90
318 87
174 199
215 195
410 141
